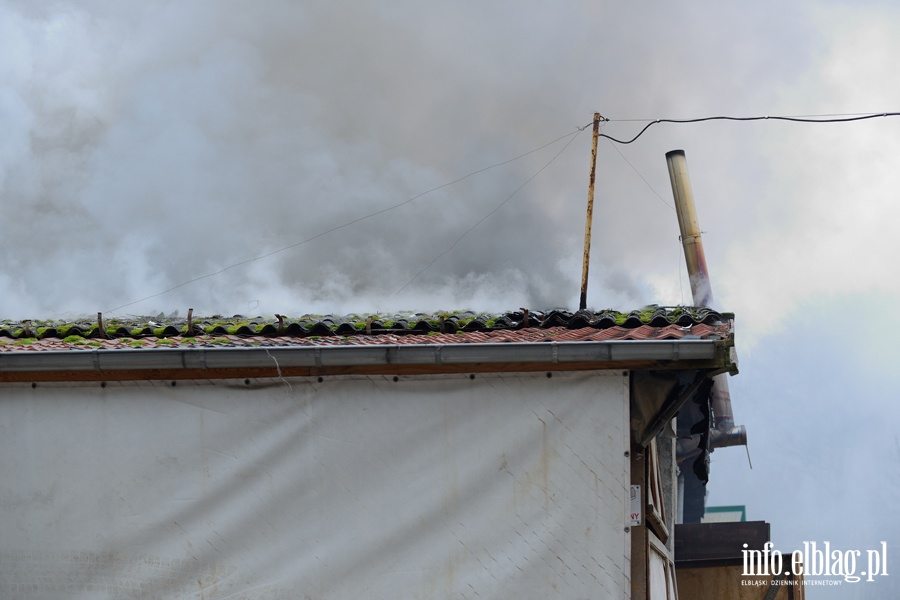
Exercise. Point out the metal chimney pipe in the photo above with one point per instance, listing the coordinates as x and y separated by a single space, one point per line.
724 433
690 228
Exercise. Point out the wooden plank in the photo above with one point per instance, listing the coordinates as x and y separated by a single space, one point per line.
656 505
661 570
639 543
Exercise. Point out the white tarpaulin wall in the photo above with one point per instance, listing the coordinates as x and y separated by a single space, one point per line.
506 486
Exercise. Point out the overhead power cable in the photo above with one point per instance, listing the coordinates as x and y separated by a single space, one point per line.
800 119
818 116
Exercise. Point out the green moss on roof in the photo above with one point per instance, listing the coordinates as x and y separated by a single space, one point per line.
77 332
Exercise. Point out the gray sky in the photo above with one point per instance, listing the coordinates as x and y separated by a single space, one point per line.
148 144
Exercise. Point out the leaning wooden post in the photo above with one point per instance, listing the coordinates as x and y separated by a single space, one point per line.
590 215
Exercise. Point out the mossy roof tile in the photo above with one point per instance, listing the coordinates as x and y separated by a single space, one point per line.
652 322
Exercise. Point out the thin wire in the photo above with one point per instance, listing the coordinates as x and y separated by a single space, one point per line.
793 119
678 254
347 224
857 114
480 221
661 199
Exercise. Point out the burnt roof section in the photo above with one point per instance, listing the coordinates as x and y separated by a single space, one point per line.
651 322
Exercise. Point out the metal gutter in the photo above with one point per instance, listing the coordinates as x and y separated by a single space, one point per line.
715 352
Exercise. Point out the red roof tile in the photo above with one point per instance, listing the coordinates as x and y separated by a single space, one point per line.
560 333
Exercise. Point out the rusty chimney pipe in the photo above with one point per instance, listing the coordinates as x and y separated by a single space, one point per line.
690 228
724 433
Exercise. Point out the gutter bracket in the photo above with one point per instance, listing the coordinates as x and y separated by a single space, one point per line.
392 355
317 354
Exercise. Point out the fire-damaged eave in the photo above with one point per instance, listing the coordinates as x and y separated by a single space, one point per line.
713 355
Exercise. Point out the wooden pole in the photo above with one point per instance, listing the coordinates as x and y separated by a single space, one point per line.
590 215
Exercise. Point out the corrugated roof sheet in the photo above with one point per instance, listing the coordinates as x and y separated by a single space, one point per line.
649 323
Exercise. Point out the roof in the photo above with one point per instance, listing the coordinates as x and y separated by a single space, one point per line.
652 322
311 345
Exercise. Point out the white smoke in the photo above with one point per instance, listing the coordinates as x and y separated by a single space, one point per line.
157 145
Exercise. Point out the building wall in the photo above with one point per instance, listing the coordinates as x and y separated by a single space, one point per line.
501 486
